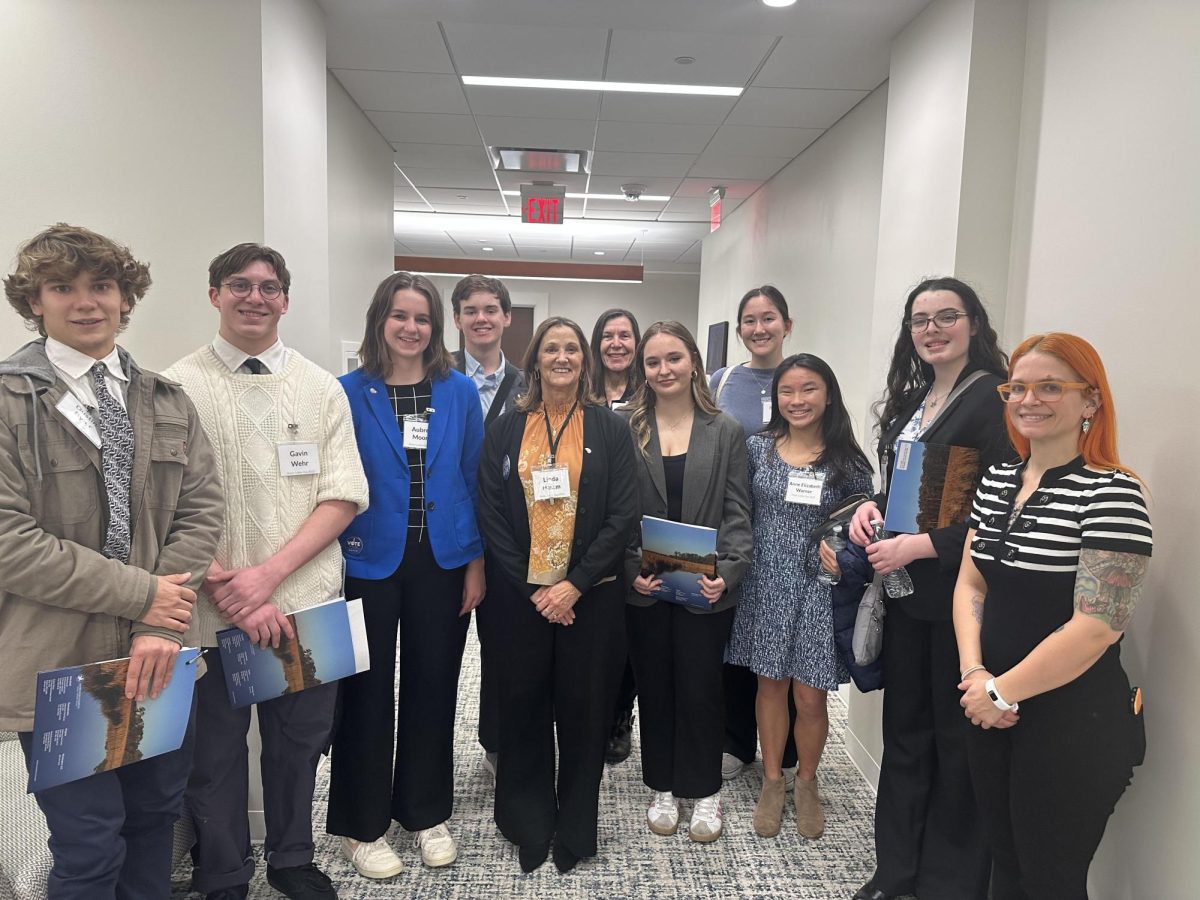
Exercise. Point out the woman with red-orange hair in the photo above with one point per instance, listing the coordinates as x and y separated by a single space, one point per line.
1054 564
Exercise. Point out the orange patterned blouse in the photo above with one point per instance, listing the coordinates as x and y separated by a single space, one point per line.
551 522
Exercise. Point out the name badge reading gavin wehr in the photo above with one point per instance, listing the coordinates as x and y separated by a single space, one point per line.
416 432
551 482
298 458
805 487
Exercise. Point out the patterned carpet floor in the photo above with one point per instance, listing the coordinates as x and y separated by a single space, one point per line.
632 862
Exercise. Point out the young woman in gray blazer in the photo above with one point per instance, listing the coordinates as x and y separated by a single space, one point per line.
691 468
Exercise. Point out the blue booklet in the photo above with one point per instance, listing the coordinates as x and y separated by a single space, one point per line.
932 486
83 723
330 643
679 554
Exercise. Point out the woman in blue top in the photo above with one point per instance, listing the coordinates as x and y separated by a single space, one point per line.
415 557
744 392
805 464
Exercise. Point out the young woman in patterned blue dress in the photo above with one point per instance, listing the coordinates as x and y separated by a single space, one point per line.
802 465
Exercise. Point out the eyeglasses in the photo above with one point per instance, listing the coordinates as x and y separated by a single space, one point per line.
241 288
945 319
1046 391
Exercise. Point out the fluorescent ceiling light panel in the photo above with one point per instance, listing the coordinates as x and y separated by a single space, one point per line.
626 87
548 278
653 198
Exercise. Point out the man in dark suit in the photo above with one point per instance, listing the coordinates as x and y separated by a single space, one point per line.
482 310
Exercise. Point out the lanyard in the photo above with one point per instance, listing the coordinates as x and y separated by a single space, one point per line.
555 441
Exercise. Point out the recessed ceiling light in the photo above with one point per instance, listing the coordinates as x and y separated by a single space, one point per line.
597 253
462 196
652 198
487 249
628 87
685 60
779 2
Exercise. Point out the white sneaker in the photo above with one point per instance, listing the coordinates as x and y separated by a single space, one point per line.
706 819
437 846
373 859
489 763
663 814
731 766
789 777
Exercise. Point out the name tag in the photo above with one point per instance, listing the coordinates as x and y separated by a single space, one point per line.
551 483
766 404
416 433
298 458
618 404
805 488
77 414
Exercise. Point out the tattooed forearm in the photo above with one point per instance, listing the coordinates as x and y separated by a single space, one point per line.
1108 585
977 608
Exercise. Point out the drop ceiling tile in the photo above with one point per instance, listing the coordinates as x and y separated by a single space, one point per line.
720 58
696 207
440 156
829 59
692 255
793 108
546 134
611 184
404 91
512 181
734 190
497 101
470 209
425 128
441 196
527 51
611 162
641 137
407 206
659 108
740 166
478 176
756 140
624 205
365 40
622 214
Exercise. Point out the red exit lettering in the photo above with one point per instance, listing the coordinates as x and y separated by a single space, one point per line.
543 209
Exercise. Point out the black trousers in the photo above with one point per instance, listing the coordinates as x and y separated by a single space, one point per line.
741 718
489 678
557 680
1047 786
294 730
928 837
626 692
677 657
400 766
111 834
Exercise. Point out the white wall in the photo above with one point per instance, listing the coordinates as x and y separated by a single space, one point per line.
1109 228
360 215
125 118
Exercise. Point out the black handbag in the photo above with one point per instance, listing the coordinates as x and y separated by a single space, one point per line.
839 516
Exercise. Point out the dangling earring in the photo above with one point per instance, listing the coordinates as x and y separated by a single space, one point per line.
1087 423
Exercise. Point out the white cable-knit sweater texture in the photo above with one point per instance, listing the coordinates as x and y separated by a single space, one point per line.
246 418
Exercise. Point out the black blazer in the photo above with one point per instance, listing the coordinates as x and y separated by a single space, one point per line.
605 514
716 494
512 386
974 419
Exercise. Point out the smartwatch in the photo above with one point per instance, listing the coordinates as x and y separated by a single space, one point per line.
999 702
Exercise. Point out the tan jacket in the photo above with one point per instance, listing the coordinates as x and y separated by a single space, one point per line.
61 602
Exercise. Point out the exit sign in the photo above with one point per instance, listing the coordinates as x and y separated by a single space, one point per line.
543 204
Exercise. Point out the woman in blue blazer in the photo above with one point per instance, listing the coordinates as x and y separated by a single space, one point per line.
415 557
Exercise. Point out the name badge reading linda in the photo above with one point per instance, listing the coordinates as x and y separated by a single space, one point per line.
77 414
298 458
551 483
766 404
416 433
805 487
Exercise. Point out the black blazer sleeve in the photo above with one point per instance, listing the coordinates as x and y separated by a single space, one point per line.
504 547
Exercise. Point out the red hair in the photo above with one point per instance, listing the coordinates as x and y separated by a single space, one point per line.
1099 444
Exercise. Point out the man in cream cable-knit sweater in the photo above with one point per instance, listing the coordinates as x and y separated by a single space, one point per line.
262 406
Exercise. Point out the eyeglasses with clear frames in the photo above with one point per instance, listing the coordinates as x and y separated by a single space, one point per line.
241 288
947 318
1046 391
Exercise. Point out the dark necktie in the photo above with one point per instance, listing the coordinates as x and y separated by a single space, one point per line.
116 464
254 364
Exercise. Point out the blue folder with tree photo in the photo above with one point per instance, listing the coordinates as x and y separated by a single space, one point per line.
678 554
932 486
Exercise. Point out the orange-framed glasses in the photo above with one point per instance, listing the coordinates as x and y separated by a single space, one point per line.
1046 391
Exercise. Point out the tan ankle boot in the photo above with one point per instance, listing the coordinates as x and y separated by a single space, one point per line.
769 811
810 820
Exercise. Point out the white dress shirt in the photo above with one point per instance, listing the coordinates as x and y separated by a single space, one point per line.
74 368
274 358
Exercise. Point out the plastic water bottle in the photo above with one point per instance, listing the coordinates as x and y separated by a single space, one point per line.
836 542
898 583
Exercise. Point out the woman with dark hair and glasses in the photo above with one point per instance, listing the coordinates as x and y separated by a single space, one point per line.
941 388
557 504
692 469
802 466
1055 563
415 558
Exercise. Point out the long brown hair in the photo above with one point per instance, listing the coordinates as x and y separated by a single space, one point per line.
1098 445
643 401
598 360
373 352
533 375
